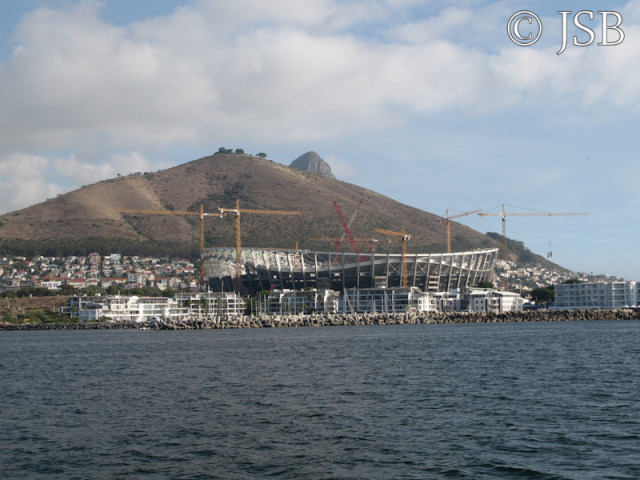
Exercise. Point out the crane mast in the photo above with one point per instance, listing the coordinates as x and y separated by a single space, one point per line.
404 238
447 220
237 212
221 213
200 214
503 215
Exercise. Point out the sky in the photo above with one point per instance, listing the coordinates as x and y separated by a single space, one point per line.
431 103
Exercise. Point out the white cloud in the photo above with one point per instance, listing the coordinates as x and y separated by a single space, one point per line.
284 71
341 169
78 172
28 179
25 181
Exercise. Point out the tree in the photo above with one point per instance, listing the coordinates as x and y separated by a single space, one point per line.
261 155
35 292
544 295
146 291
66 289
203 304
114 289
239 151
486 284
91 290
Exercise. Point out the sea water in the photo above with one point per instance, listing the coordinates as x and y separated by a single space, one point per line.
480 401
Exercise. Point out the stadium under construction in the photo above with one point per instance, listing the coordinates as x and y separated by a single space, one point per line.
268 269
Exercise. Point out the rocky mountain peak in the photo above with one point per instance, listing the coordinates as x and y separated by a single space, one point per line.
311 162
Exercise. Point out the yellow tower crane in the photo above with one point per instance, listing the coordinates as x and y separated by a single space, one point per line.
200 214
447 221
237 212
221 213
404 238
504 215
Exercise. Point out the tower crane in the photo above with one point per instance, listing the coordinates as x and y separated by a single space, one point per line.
237 212
200 214
447 221
404 238
504 215
221 213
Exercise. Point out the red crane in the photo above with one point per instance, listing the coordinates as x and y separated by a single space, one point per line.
346 228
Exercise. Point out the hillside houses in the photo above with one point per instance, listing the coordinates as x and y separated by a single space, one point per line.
526 279
81 272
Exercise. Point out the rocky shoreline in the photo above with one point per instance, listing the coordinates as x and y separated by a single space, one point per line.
328 320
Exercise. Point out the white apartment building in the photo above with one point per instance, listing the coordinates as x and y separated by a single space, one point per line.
386 300
211 303
284 302
597 295
448 301
119 308
353 300
488 300
392 300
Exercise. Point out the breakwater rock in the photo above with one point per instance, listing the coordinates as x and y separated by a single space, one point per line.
347 319
71 326
356 319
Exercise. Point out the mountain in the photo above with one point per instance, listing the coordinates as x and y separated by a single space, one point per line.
311 162
91 215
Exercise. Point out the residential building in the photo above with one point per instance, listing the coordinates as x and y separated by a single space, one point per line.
211 303
489 300
597 295
303 301
140 309
448 301
392 300
386 300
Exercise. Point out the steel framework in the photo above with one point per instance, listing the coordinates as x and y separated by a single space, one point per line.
266 269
